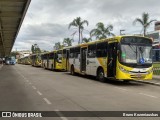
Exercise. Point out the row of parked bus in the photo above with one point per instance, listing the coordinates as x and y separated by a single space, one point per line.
121 58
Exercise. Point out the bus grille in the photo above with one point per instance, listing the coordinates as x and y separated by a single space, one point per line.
138 72
138 76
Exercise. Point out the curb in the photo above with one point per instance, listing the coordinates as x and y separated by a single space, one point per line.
148 82
155 78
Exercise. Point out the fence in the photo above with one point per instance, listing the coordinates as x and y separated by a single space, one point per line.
156 55
156 70
156 60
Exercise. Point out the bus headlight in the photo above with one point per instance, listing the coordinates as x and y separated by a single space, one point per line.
123 70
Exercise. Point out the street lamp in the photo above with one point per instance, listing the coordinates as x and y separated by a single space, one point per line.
121 32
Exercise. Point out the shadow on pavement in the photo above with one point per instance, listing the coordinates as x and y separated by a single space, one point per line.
109 81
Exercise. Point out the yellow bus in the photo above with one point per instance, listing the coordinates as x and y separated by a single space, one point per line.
55 60
65 59
19 61
36 60
121 58
27 60
44 57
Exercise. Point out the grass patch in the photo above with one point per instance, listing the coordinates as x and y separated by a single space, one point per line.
156 72
156 65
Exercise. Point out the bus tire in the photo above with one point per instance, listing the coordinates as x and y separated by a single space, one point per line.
100 75
72 70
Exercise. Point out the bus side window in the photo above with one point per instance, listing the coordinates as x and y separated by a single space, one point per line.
64 53
71 53
91 51
51 56
76 52
101 50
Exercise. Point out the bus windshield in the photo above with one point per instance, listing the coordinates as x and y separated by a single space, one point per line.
136 51
136 54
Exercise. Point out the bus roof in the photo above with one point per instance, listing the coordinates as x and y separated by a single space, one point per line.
113 39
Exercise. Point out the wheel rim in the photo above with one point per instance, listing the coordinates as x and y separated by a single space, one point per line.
101 75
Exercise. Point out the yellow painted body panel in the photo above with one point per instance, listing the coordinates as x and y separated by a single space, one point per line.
127 75
58 66
64 63
38 63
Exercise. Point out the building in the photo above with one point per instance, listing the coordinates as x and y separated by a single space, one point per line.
157 25
23 53
155 35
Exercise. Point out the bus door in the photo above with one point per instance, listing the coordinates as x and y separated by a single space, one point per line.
67 59
50 56
55 60
64 59
48 61
91 62
112 57
76 60
83 59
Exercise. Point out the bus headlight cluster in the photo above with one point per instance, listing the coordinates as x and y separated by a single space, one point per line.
123 70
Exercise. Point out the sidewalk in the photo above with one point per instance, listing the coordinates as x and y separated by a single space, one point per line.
154 81
156 77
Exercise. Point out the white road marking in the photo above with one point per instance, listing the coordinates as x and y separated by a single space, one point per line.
22 75
47 101
39 92
148 95
30 83
34 87
61 115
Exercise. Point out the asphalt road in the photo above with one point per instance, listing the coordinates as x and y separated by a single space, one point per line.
27 88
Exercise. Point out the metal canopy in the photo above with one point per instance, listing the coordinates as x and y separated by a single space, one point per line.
12 13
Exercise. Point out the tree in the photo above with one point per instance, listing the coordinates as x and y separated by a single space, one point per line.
35 49
80 25
58 46
32 48
101 31
144 21
86 40
67 41
14 53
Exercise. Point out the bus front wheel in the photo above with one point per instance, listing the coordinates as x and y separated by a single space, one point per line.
100 75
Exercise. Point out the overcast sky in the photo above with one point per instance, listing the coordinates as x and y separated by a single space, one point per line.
46 21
